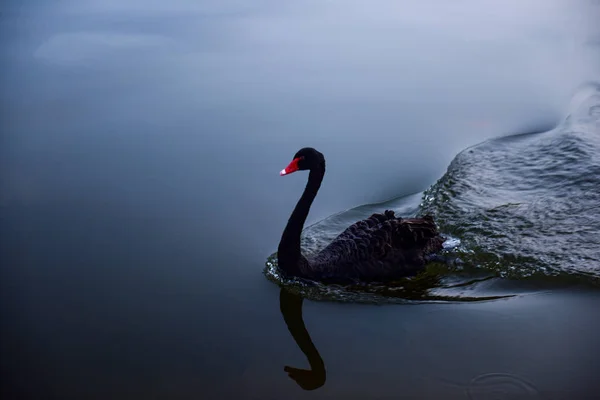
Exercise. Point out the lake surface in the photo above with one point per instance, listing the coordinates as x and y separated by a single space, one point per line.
141 203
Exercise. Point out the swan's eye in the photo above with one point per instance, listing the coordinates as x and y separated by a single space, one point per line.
292 167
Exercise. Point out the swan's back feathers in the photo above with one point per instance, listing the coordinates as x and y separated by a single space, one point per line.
378 248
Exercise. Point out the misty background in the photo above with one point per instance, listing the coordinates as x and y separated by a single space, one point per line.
141 143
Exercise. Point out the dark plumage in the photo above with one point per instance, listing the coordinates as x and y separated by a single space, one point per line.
379 248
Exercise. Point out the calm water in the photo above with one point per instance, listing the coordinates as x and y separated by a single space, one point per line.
140 197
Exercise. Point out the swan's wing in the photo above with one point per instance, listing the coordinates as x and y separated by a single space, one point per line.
365 227
380 231
378 242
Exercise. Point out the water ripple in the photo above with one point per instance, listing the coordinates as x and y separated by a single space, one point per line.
500 386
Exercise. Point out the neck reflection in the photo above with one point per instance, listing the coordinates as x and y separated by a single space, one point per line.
290 305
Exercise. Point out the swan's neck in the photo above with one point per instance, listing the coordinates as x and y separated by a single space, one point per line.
289 247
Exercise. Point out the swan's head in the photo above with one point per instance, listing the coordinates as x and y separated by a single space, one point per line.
306 158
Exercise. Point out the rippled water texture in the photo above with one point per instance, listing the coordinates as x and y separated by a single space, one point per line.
520 206
529 203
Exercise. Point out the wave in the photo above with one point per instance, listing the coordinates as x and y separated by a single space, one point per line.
528 203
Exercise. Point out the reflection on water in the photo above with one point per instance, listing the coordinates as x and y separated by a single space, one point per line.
291 309
424 336
504 349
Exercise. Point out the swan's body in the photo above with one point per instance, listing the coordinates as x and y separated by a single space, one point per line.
379 248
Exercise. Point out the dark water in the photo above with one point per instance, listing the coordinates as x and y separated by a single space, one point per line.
140 197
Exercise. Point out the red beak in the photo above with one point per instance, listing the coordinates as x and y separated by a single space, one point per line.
293 167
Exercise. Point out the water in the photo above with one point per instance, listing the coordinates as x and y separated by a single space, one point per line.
140 198
529 203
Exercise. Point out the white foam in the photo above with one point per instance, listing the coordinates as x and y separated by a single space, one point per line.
451 243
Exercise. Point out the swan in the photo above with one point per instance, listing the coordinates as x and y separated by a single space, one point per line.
380 248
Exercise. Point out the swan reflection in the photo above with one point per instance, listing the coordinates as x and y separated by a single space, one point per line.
290 305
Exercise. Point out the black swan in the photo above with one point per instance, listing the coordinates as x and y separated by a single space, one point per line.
379 248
